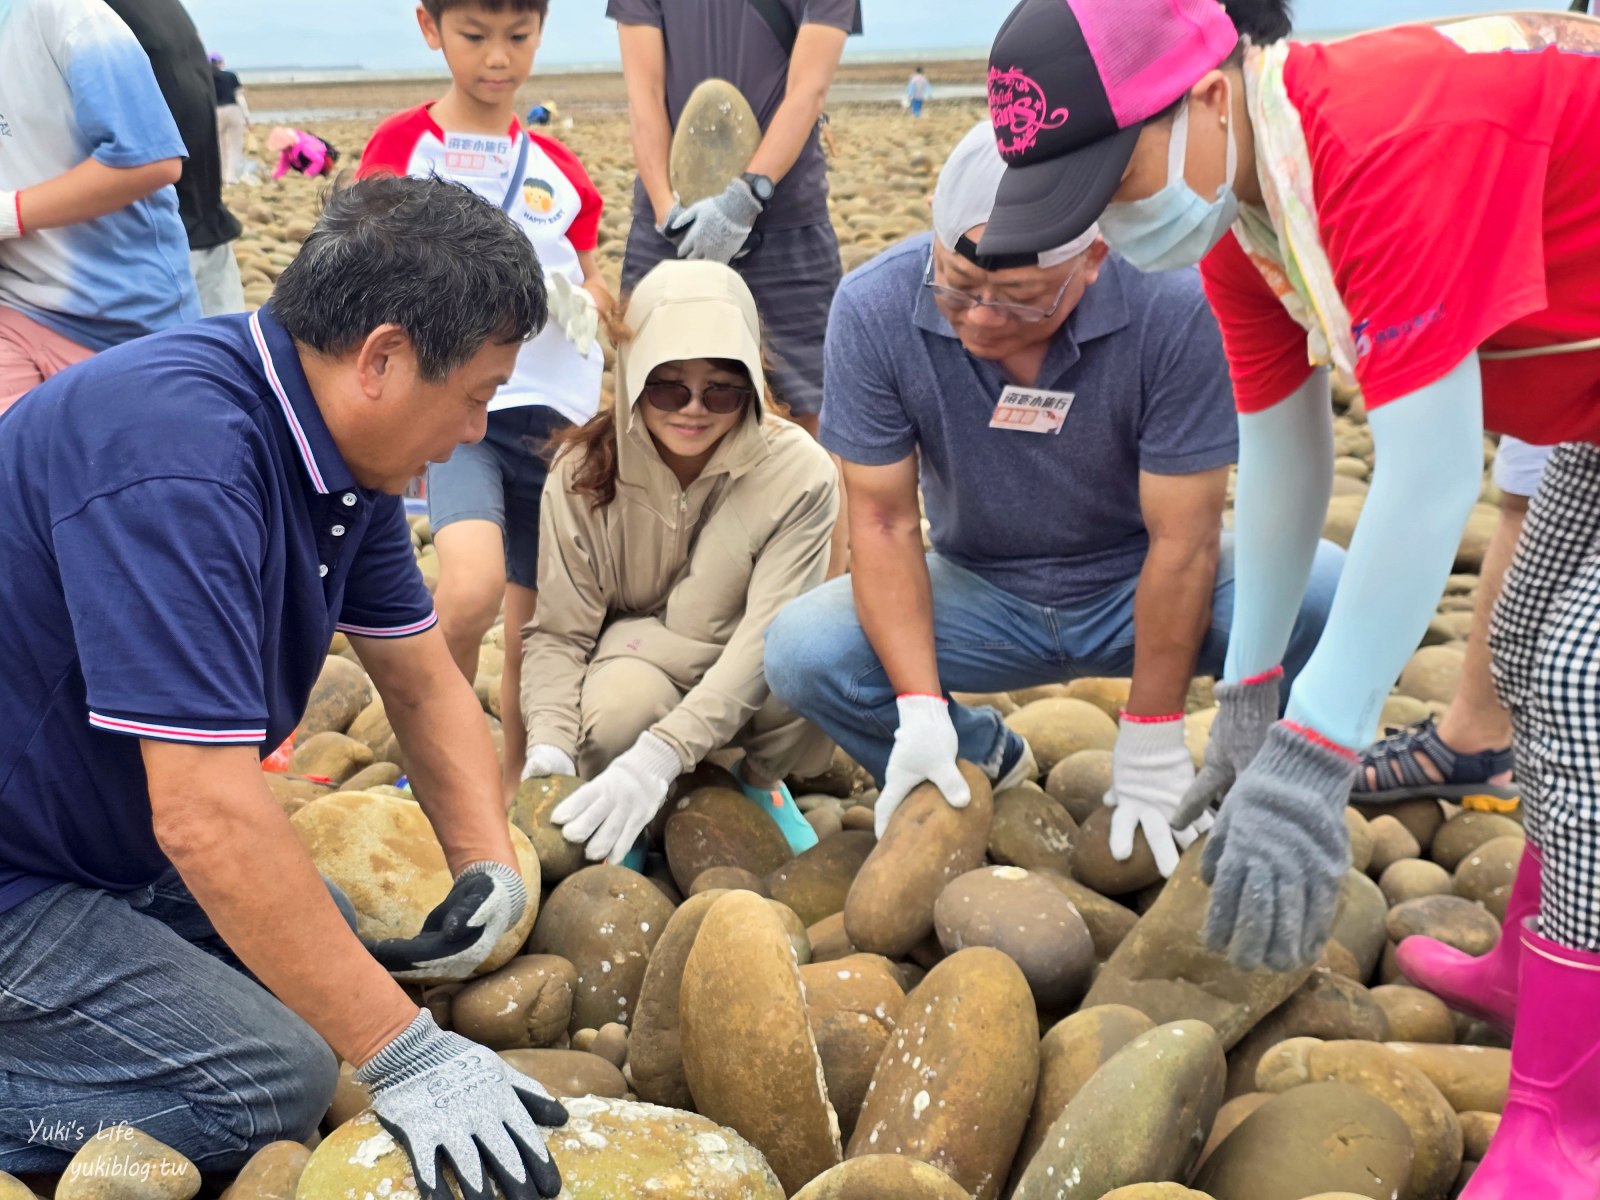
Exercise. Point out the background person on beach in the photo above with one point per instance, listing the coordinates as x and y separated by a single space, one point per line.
1127 570
233 119
175 569
92 249
177 55
792 261
301 152
675 528
918 91
1332 204
483 504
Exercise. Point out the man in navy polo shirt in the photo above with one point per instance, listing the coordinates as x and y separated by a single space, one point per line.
1071 424
188 519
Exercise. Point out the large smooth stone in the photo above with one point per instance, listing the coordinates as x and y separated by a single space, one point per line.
1449 919
382 852
604 920
1070 1054
329 755
1472 1078
1164 970
816 881
719 827
956 1081
1315 1138
1465 832
567 1073
853 1005
1109 695
1155 1191
1031 831
1109 922
120 1162
889 908
341 691
1327 1006
1093 866
527 1002
1141 1118
272 1173
1026 918
608 1149
1058 727
1421 816
12 1188
1433 673
530 812
1435 1129
1487 874
1392 842
655 1046
1415 1015
1079 783
748 1053
1414 878
882 1177
1358 927
372 729
716 137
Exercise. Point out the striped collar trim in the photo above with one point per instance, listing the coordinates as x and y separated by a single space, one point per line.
328 472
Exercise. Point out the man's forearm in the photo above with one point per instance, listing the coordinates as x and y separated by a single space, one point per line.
237 853
786 137
91 189
1171 617
652 146
450 761
894 602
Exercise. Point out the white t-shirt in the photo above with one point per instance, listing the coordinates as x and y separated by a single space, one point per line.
556 205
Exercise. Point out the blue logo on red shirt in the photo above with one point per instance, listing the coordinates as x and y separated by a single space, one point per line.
1369 339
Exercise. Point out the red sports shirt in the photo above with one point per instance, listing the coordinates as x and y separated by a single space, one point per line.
1458 197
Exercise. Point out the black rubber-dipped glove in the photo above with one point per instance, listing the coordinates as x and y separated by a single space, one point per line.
1245 711
1279 853
487 899
450 1102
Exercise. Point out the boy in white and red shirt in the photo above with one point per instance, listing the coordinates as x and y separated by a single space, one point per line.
483 503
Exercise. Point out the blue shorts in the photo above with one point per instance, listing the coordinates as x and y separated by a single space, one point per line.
500 479
916 107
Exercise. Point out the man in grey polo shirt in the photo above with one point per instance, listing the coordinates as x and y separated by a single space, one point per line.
1071 423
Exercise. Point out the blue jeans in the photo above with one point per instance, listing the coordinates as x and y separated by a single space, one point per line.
130 1009
819 662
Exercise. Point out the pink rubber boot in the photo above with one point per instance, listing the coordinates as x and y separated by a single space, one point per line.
1484 987
1548 1144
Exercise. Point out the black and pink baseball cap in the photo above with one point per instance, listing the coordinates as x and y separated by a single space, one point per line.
1071 83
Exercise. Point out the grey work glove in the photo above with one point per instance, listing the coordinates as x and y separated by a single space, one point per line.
721 224
450 1102
487 899
677 224
1245 711
1280 851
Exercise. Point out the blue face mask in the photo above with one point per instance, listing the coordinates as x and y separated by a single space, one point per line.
1175 227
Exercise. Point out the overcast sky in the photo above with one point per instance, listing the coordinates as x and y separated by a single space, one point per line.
382 34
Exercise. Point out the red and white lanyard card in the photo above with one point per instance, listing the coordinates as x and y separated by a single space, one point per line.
1031 410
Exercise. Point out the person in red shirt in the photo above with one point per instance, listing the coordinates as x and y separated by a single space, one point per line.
1418 208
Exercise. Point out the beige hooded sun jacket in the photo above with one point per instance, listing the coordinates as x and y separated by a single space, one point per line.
687 580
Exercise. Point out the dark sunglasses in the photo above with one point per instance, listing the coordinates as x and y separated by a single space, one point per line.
720 398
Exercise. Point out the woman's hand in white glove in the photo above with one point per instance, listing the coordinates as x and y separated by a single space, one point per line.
610 812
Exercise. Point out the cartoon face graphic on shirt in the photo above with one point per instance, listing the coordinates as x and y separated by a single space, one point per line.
538 195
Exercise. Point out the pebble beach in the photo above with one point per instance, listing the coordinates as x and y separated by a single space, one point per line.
983 1004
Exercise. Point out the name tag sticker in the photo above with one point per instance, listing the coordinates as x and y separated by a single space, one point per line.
1031 410
472 155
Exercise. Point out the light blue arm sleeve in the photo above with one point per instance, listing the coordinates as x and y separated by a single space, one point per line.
1428 473
1280 504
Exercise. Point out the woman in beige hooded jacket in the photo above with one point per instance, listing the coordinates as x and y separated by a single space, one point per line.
673 529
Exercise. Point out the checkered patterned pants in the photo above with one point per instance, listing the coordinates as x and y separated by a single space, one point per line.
1545 643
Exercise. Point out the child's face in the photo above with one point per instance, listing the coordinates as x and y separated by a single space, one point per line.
490 54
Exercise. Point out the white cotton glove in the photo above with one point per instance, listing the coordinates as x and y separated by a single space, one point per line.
545 759
10 216
612 810
925 749
573 311
1150 770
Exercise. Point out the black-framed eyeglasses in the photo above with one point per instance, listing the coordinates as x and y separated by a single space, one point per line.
719 398
964 301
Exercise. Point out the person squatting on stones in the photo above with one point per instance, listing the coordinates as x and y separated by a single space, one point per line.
178 57
175 570
994 380
483 504
675 527
772 223
92 248
1445 260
